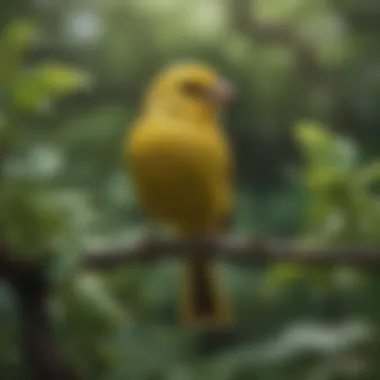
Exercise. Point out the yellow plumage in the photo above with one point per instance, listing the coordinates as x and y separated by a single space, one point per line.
181 167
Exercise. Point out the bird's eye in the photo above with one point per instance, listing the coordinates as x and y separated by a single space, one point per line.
193 89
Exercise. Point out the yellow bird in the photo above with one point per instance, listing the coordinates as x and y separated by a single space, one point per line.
181 167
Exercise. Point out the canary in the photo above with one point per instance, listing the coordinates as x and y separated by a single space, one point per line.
181 166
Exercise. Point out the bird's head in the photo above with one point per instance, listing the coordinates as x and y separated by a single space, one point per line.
191 90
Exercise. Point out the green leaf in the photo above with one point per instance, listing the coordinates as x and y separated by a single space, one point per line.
321 279
93 289
8 135
14 42
331 158
280 274
19 35
320 178
369 173
323 147
27 222
38 86
3 132
314 137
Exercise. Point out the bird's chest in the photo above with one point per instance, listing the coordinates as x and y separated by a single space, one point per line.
177 172
163 153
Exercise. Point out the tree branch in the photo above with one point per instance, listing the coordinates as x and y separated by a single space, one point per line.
32 289
29 282
39 347
236 249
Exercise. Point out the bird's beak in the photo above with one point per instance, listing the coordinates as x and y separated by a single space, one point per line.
223 92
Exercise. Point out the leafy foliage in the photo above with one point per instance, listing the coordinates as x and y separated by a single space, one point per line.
313 180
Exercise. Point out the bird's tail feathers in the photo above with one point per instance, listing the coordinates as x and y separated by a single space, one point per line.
203 300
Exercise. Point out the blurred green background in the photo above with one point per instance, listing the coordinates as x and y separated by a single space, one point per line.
306 135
